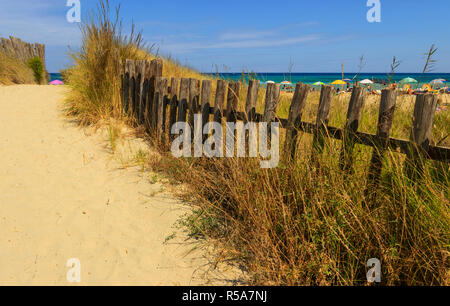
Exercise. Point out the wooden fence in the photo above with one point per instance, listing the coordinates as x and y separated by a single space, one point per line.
23 51
158 103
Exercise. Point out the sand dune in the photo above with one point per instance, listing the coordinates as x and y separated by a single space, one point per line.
63 196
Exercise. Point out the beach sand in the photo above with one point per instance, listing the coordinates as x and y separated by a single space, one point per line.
63 195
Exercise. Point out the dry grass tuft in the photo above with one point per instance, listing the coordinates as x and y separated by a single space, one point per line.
13 71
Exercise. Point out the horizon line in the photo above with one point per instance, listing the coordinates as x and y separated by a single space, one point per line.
329 72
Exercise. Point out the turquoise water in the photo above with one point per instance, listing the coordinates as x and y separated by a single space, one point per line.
310 78
55 76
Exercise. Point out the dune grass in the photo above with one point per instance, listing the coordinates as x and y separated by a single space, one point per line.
36 65
300 224
13 71
95 76
305 222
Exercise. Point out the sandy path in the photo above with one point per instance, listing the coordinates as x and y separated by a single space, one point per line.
62 196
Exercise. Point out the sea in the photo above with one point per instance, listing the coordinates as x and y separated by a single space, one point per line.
311 78
327 78
55 76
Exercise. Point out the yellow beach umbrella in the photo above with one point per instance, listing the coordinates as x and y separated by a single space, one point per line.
427 87
338 82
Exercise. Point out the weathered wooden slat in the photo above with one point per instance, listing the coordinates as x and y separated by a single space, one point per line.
137 90
272 98
219 101
351 127
424 111
385 118
160 97
141 103
326 95
145 88
270 108
184 96
132 69
194 100
125 88
295 118
174 90
232 100
151 109
252 99
156 68
206 102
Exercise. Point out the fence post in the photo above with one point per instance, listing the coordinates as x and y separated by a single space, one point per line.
272 97
126 87
385 117
194 100
145 70
160 96
132 69
155 72
206 103
174 87
326 95
252 98
232 100
295 118
270 109
424 111
351 127
184 96
219 100
137 90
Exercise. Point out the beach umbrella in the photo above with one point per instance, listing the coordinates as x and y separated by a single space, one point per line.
269 82
286 83
437 82
408 80
366 82
338 82
318 83
56 82
347 80
427 87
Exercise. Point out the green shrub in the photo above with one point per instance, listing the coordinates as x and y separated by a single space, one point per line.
37 66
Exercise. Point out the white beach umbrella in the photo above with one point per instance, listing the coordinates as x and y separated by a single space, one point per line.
437 82
366 82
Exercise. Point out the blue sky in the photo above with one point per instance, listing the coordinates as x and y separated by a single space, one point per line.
259 36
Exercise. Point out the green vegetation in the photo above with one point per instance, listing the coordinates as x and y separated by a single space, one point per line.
36 65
